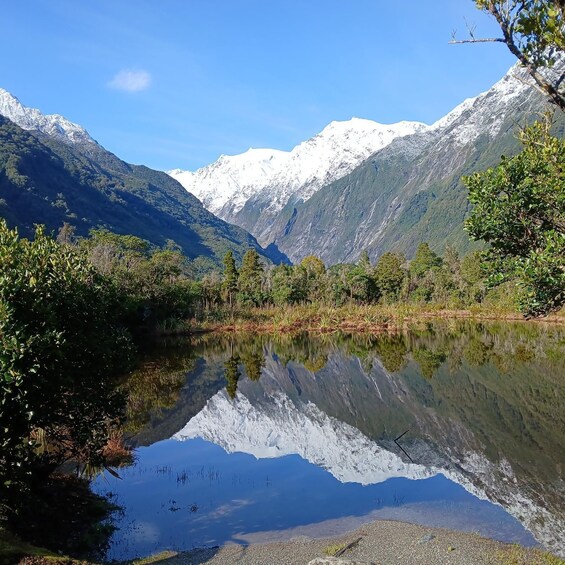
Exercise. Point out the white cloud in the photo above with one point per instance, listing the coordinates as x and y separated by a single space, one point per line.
131 81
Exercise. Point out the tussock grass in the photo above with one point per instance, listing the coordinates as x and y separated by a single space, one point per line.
331 550
517 555
349 317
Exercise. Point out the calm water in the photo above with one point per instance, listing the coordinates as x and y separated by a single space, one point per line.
256 439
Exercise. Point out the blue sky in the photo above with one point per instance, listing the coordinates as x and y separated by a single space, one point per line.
176 83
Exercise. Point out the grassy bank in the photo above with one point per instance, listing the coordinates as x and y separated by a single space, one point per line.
348 318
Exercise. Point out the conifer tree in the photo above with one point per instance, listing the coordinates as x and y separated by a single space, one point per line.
229 283
250 279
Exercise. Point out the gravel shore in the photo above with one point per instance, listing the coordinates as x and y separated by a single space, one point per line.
381 543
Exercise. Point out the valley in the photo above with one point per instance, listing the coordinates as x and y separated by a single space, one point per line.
257 322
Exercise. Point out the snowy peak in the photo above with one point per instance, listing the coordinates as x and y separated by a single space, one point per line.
272 199
232 179
31 119
335 152
487 111
277 176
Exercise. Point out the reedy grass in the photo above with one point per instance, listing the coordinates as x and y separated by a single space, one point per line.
517 555
349 317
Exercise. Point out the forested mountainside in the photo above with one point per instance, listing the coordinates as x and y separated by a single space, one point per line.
50 177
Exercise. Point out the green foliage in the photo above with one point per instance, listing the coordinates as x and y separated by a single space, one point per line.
519 209
154 283
315 274
61 345
450 282
361 281
250 280
424 260
428 360
392 352
390 275
253 363
473 277
289 284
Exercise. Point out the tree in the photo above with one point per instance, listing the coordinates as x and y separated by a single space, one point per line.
154 283
313 265
472 277
519 209
233 374
229 284
288 284
250 279
361 281
61 345
253 363
424 260
316 280
389 275
533 31
392 352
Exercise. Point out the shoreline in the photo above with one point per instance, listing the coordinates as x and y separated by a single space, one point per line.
383 542
351 319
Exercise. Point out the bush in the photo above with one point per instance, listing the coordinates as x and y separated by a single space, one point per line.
61 345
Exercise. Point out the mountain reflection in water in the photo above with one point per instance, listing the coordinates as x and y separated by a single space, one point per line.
481 405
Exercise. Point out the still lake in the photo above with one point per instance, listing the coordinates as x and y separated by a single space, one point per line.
260 438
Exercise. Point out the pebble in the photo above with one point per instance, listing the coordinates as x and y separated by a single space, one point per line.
426 538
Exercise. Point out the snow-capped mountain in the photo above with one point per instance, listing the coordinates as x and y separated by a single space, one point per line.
411 190
272 178
49 181
32 119
232 179
361 185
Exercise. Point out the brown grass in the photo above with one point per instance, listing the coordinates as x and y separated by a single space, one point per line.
349 318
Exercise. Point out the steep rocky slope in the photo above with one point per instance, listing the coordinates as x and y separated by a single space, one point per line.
372 188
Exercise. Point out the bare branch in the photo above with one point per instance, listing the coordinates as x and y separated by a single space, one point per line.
534 54
470 28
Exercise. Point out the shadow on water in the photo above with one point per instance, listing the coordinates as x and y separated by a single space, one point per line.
274 433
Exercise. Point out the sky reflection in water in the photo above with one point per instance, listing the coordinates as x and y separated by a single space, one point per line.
187 494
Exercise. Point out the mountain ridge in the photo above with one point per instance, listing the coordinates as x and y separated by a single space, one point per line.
52 172
407 191
32 119
273 177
